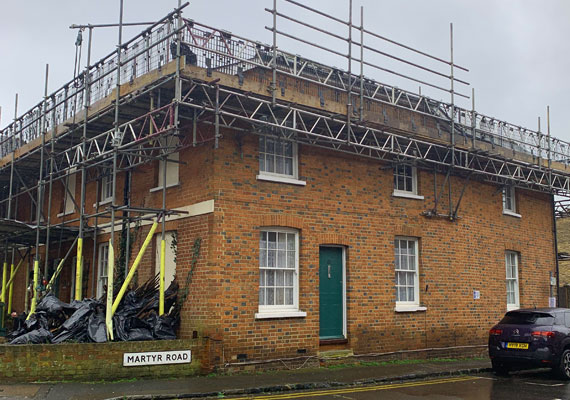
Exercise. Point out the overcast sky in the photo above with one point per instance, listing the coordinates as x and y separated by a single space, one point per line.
517 51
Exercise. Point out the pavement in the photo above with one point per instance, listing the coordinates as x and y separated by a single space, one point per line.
247 383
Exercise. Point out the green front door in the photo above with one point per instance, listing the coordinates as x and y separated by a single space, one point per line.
330 293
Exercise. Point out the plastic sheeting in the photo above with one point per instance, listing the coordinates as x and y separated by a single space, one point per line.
136 319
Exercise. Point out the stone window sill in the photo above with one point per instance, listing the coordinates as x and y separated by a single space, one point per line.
159 188
411 308
407 195
102 203
280 314
281 179
511 214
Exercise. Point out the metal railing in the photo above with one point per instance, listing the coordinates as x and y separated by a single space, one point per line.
221 51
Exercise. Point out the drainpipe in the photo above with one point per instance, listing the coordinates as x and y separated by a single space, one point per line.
555 251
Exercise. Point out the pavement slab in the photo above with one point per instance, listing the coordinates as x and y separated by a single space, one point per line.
244 383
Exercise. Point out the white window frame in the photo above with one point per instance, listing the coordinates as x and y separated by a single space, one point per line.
172 167
512 259
69 186
170 256
411 193
510 194
280 311
106 193
102 266
264 175
406 305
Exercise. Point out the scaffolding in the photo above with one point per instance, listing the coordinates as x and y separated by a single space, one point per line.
134 106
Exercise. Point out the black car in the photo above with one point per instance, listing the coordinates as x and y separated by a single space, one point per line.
531 338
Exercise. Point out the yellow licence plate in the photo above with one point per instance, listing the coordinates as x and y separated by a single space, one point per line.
522 346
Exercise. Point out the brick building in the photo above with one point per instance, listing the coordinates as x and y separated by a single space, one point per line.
417 230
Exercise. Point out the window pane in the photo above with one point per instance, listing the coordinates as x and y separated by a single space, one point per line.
278 147
288 149
262 162
261 296
282 239
269 163
263 240
263 258
279 296
270 296
400 185
289 296
279 165
269 146
281 255
291 259
271 259
262 277
410 279
288 168
280 281
290 241
410 294
403 262
272 240
288 278
402 294
270 277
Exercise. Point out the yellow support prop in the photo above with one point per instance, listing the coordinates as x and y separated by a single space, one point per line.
55 275
110 278
12 276
35 288
10 290
79 270
4 278
133 269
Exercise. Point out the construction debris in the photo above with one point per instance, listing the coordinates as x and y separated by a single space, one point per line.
136 318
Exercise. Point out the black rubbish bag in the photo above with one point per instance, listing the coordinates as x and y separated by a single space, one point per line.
37 336
79 317
96 329
119 331
37 320
163 328
52 305
19 327
130 305
64 336
138 334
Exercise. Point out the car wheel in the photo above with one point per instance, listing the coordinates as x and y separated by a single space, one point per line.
499 368
564 368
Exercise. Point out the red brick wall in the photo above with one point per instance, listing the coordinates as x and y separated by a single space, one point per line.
348 200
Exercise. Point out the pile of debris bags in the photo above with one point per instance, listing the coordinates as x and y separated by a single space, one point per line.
136 318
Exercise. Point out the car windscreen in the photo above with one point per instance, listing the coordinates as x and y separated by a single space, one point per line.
527 318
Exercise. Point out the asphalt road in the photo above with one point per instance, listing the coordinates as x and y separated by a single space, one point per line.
519 386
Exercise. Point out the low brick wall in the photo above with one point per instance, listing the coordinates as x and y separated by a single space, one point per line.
91 361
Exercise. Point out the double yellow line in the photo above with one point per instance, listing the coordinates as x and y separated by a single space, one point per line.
358 389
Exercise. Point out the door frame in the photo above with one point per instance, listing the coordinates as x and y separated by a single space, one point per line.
344 310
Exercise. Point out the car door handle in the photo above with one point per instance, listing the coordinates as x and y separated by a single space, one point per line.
329 271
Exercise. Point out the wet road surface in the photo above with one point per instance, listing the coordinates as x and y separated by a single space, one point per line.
518 386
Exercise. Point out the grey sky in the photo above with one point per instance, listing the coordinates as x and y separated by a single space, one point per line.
516 50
